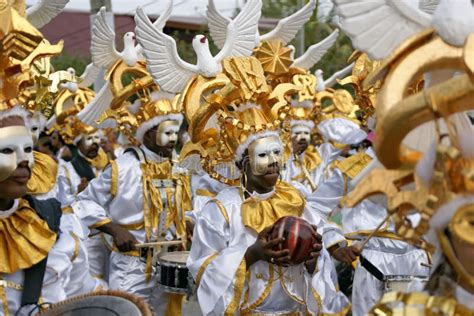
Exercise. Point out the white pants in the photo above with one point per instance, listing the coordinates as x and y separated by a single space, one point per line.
390 257
98 256
127 274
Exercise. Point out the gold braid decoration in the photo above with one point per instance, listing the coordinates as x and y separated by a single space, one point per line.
417 303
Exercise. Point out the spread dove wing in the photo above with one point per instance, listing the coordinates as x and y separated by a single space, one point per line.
44 11
92 112
285 30
170 72
378 27
89 76
314 53
322 84
103 50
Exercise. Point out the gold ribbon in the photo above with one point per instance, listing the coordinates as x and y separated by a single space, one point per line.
25 239
43 174
353 165
285 201
311 160
100 161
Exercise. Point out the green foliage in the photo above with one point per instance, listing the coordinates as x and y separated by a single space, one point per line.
66 60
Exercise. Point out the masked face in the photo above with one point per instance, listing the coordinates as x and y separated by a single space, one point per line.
266 156
167 133
16 146
300 138
89 145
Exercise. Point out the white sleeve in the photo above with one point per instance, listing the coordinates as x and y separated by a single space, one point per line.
216 263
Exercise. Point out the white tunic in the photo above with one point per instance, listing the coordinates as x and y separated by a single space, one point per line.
218 250
57 274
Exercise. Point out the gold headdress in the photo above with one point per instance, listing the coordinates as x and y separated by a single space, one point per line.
137 104
243 109
72 128
25 64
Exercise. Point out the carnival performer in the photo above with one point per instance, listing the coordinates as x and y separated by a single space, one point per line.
142 197
233 230
33 267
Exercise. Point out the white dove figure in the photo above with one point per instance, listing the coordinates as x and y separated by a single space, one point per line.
105 55
378 27
43 11
315 52
103 51
322 84
170 72
285 30
85 80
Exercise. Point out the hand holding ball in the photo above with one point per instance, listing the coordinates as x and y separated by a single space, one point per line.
299 236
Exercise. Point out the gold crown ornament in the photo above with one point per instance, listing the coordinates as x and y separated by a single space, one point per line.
72 128
24 61
243 107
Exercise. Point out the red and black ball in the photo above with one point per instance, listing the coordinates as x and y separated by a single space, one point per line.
299 237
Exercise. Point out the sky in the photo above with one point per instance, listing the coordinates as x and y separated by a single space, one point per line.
181 8
152 7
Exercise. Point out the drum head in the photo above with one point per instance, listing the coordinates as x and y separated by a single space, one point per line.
104 303
176 256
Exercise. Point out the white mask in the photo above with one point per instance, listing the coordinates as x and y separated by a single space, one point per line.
167 132
91 139
16 146
301 133
264 152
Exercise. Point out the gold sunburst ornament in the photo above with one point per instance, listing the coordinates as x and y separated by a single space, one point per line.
274 56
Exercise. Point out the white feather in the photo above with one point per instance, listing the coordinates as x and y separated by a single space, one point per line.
287 28
240 38
92 112
378 27
103 51
217 24
314 53
43 11
89 76
169 71
338 75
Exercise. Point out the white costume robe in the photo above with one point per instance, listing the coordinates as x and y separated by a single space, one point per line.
97 251
319 175
217 263
98 205
390 256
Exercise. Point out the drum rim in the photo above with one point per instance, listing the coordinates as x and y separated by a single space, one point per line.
161 258
139 302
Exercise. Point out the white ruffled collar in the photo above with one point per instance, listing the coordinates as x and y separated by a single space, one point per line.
9 212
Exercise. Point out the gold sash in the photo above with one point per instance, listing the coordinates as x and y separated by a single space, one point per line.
100 161
43 174
311 160
25 239
286 201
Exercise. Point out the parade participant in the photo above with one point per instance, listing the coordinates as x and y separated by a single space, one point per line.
32 263
85 166
141 197
233 229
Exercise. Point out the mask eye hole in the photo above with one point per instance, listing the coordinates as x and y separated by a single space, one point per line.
262 155
6 151
28 149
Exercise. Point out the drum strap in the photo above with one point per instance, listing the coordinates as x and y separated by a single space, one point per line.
49 211
369 266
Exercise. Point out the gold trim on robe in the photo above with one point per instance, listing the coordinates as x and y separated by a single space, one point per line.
43 174
285 201
311 160
25 239
353 165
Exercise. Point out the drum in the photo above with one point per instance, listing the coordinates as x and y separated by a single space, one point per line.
404 283
104 303
173 273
